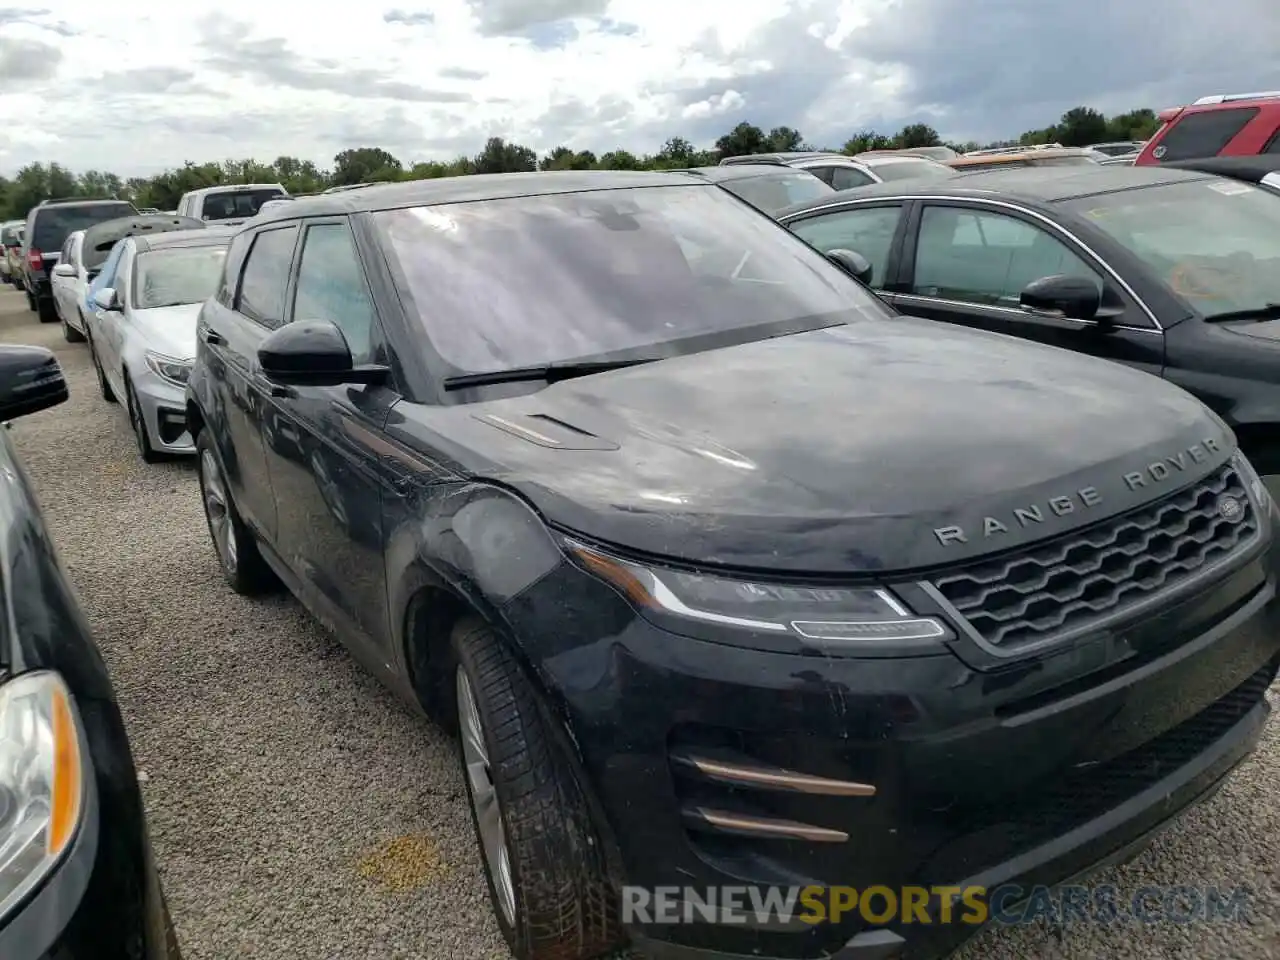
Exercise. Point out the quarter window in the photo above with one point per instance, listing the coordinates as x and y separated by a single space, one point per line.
1202 134
987 258
846 178
331 286
266 275
1273 145
866 230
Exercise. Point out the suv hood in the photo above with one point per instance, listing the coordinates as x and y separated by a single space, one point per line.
842 450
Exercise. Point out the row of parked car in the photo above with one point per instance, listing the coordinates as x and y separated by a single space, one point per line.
923 516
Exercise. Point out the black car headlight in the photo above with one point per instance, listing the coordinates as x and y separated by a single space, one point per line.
823 617
42 781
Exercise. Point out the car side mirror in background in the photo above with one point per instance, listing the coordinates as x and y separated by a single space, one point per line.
852 263
107 299
64 270
30 380
1073 298
313 353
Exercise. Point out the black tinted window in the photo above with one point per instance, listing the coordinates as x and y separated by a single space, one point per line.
1203 134
331 286
54 223
1273 146
237 204
846 178
266 274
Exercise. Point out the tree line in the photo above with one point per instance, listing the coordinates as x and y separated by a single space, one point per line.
37 181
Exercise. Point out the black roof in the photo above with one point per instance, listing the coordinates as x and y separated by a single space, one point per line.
1252 169
470 188
206 237
1035 185
742 171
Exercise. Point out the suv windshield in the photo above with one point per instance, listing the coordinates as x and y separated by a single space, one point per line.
235 204
773 191
535 280
56 222
1215 242
178 275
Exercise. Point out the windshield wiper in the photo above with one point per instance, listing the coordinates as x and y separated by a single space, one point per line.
1268 311
550 372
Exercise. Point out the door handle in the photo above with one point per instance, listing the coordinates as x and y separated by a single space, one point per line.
213 337
281 393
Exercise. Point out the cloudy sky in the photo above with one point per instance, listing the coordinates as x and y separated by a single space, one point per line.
143 85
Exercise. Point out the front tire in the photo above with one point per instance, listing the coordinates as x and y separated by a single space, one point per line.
70 333
234 543
138 424
104 385
542 859
48 311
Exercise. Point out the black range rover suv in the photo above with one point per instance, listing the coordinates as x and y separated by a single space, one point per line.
724 573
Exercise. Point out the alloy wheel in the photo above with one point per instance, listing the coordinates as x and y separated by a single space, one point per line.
484 798
217 510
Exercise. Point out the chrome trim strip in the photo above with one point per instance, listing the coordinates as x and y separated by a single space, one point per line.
766 827
775 779
1001 204
1013 311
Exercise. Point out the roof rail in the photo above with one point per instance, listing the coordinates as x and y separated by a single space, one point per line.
1231 97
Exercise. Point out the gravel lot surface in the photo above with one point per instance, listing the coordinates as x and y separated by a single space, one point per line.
299 811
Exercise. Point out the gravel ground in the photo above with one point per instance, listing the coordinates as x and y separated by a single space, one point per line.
299 811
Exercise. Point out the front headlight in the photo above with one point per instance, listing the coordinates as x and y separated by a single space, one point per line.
1254 483
175 371
41 781
824 616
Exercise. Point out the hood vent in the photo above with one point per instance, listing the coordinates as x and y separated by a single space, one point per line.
546 431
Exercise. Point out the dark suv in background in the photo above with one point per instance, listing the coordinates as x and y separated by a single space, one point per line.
48 226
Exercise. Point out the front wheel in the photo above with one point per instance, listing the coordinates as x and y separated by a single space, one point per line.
48 311
234 543
70 333
542 859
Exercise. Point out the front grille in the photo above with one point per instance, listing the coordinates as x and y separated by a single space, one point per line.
1065 583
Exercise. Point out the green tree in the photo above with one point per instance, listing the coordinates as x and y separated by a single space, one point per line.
365 165
619 160
783 140
1081 126
499 156
675 153
742 140
865 140
1134 125
916 135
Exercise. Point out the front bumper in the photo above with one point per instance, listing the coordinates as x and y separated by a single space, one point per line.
1031 774
164 410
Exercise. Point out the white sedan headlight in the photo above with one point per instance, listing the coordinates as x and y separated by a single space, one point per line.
175 371
41 781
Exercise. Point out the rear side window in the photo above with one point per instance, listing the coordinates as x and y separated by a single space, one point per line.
846 178
237 204
1202 134
266 274
55 223
1273 145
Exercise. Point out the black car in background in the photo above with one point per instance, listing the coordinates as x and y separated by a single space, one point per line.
725 573
48 225
77 877
1172 272
766 186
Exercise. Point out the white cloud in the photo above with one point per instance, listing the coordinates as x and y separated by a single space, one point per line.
154 83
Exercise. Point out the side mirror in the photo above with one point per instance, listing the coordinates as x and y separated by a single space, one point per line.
1075 298
313 353
107 299
852 263
64 270
30 380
